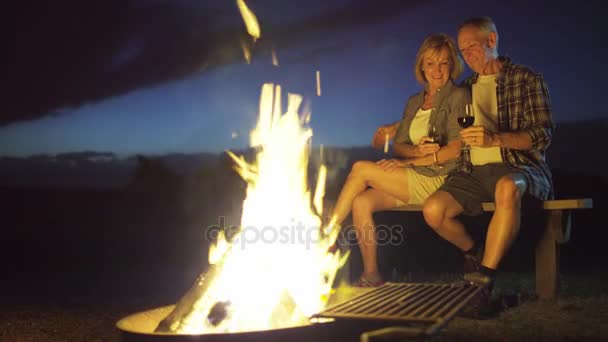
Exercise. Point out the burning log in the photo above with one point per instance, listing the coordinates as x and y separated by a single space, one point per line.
185 306
218 313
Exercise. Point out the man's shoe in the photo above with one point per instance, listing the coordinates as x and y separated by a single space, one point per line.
477 278
480 306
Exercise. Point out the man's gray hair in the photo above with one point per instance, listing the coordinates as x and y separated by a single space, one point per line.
485 24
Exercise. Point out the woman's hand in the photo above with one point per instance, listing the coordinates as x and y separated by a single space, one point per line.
380 136
390 165
426 146
478 136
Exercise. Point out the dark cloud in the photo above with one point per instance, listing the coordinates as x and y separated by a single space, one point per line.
65 53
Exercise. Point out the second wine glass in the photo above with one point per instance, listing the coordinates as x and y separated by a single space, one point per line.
466 121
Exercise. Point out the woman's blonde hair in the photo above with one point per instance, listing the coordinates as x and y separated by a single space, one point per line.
437 42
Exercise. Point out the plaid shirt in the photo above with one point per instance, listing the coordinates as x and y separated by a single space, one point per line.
524 105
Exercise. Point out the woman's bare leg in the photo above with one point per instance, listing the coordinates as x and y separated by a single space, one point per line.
364 205
368 189
366 174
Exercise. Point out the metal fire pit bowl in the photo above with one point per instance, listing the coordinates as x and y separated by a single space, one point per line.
140 327
356 314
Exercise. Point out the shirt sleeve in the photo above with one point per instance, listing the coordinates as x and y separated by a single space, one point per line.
538 112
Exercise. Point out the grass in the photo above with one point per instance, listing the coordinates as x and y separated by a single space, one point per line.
566 319
580 313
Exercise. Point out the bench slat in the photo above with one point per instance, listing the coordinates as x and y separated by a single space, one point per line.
575 203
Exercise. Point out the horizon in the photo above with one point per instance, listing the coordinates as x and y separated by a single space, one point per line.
124 155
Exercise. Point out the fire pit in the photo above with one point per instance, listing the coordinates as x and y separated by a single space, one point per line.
269 277
140 327
396 310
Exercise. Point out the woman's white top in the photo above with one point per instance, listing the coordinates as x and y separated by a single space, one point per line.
420 125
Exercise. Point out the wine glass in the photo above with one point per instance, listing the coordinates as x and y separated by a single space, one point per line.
466 121
468 118
433 134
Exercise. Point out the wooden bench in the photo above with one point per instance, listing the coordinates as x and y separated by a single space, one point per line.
557 231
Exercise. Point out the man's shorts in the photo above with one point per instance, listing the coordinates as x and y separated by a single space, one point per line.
470 190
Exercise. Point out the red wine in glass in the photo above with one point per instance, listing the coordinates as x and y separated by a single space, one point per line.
468 118
466 121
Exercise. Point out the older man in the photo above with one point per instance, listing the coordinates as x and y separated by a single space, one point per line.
513 127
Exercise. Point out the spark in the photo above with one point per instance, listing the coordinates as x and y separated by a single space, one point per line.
251 22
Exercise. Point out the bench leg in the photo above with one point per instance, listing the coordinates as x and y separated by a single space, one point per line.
547 257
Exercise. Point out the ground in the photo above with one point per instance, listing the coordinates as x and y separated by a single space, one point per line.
581 313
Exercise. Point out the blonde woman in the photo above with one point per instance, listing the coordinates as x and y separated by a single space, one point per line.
422 161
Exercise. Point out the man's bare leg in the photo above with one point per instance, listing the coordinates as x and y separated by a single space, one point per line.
440 211
505 223
364 205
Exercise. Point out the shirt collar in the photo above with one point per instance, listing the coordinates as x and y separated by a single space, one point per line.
506 66
440 92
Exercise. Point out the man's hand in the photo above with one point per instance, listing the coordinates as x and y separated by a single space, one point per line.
426 146
379 138
390 165
479 136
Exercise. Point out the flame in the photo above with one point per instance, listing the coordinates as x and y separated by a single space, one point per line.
318 77
276 271
251 22
320 190
275 59
246 52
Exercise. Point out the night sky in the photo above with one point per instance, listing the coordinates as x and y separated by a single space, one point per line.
160 76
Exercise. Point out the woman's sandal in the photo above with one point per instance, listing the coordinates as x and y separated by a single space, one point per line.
364 282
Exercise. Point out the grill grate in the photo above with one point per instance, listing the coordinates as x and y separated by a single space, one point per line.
433 305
